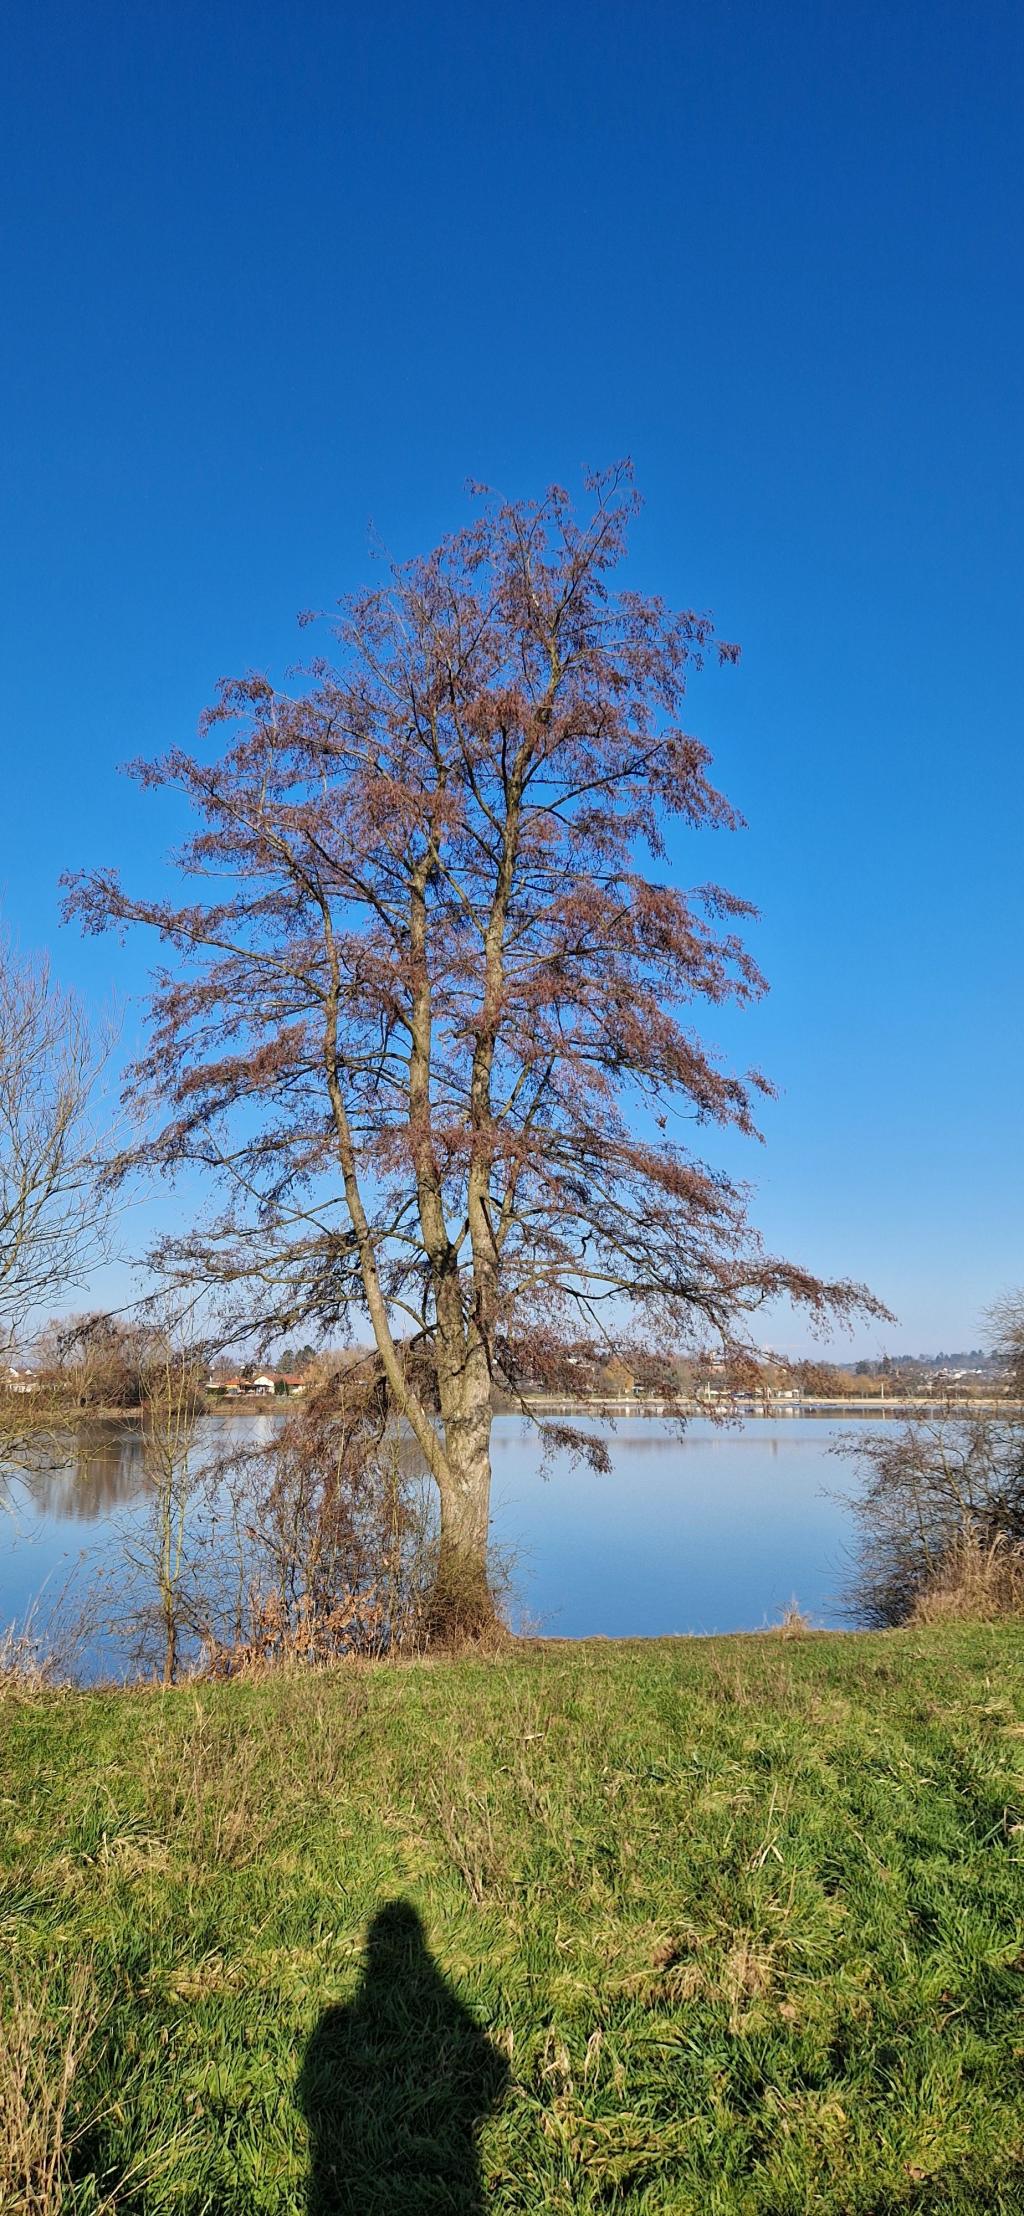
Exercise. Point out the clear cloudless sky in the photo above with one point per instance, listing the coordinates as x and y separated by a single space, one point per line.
272 276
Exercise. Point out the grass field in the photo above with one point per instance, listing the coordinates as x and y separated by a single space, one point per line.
729 1925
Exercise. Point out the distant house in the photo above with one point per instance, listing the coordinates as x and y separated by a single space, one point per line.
21 1381
266 1385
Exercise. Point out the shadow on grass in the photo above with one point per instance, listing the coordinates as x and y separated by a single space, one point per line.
395 2086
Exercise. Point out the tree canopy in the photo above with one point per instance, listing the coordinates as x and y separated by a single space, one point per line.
430 1014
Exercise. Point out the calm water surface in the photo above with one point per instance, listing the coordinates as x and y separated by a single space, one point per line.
715 1531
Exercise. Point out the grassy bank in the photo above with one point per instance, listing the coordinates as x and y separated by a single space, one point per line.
729 1925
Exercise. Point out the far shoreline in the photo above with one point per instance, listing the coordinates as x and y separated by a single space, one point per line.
609 1411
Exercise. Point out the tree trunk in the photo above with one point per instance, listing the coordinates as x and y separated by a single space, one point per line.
462 1603
170 1643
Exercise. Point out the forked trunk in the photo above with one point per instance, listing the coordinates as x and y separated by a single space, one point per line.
462 1603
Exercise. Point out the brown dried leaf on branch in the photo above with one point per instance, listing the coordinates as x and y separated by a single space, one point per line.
334 1545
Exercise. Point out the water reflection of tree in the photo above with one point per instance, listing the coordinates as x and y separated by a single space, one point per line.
103 1470
238 1489
101 1465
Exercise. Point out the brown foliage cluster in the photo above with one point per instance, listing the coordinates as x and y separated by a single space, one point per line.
333 1550
276 1635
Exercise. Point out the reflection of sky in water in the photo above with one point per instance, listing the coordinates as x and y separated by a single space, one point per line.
714 1531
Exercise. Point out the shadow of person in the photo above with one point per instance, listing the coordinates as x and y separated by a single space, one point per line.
395 2085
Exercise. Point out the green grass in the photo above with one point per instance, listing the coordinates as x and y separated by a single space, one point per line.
729 1925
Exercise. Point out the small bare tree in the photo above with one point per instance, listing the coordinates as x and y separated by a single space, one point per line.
170 1365
51 1219
53 1216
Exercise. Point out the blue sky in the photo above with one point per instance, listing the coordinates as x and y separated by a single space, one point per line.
273 275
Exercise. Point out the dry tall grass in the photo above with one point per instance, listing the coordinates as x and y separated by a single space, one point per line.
792 1624
24 1667
45 2040
974 1583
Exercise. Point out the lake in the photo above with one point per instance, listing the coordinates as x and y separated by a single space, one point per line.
715 1531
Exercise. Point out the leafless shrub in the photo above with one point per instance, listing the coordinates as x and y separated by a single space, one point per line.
938 1500
170 1413
334 1542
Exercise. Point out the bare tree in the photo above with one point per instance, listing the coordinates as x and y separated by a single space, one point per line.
161 1546
51 1219
53 1214
1005 1319
170 1412
94 1360
935 1498
434 1028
